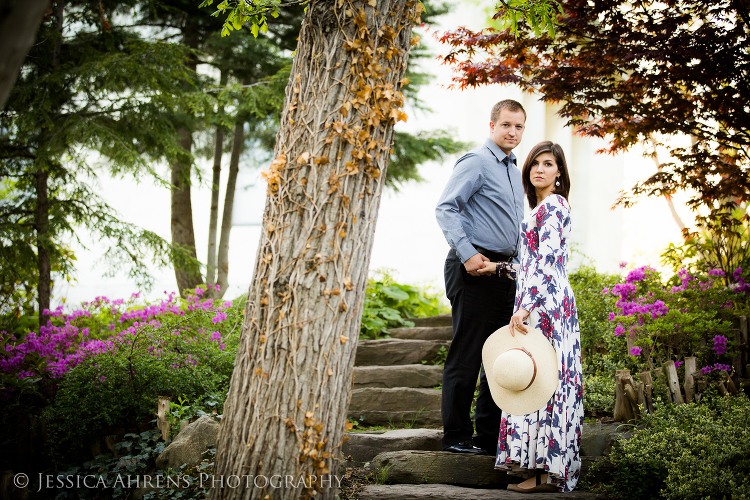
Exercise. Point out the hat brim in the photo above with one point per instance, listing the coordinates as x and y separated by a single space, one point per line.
547 379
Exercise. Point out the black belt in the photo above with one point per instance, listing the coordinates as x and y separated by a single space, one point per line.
494 256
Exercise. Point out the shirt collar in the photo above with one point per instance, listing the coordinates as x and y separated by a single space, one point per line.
499 153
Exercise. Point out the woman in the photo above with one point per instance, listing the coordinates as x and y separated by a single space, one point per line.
546 444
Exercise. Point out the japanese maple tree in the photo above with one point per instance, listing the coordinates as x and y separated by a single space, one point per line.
633 71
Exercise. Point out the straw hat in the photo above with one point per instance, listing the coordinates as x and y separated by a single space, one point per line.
522 371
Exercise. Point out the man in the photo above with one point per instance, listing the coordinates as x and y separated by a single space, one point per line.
480 212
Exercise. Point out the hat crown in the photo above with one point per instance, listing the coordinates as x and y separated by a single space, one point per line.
514 369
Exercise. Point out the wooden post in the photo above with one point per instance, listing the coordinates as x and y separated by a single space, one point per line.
630 394
648 390
623 411
728 382
639 388
743 329
673 383
663 381
161 422
690 367
722 388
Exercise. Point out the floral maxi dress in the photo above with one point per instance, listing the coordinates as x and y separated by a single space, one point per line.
550 438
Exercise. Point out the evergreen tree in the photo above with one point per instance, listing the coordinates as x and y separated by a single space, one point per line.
88 88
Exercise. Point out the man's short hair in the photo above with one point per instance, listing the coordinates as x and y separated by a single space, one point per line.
508 104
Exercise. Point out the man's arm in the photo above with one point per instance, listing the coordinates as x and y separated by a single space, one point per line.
466 179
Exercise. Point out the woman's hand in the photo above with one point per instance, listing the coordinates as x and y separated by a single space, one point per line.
516 322
489 268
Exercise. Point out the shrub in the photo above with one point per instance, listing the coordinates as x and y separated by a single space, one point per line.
656 322
687 452
104 364
118 387
599 394
390 305
593 309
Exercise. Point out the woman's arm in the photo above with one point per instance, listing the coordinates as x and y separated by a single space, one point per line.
545 244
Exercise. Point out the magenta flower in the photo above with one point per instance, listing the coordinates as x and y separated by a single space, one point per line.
635 351
720 344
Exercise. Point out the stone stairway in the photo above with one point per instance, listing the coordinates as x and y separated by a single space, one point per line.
391 386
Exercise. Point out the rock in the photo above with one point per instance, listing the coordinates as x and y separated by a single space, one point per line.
596 439
395 399
423 333
386 352
408 418
440 467
397 376
363 447
441 320
190 443
402 405
450 492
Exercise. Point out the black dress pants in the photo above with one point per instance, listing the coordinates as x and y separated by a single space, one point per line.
480 305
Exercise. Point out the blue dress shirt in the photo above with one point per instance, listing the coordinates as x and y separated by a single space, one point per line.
482 205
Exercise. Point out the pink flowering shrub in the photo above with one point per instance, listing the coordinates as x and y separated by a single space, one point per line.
102 366
689 316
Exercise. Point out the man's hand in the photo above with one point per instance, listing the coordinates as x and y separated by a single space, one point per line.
475 262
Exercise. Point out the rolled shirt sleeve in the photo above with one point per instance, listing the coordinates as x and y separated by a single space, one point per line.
482 204
465 181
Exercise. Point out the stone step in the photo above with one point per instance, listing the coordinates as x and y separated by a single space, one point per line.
397 376
423 333
441 467
405 406
441 320
452 492
596 441
385 352
362 447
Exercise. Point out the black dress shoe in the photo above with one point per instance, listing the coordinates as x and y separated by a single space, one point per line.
465 447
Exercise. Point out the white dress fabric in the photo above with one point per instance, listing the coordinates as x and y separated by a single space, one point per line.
548 440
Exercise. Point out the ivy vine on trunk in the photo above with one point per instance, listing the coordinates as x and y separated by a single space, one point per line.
290 389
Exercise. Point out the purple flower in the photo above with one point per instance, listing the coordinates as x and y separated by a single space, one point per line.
611 316
678 364
720 344
635 275
635 351
737 274
619 330
605 291
716 272
623 264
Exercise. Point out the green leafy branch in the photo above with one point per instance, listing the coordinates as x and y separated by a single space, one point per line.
239 12
541 15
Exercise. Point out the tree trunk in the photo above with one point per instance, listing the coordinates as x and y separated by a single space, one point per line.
286 408
44 266
19 22
226 217
44 287
182 216
213 223
183 233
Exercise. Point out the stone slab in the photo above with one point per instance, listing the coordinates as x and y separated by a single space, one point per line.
451 492
440 320
386 352
408 418
397 376
189 444
423 333
362 447
440 467
395 399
